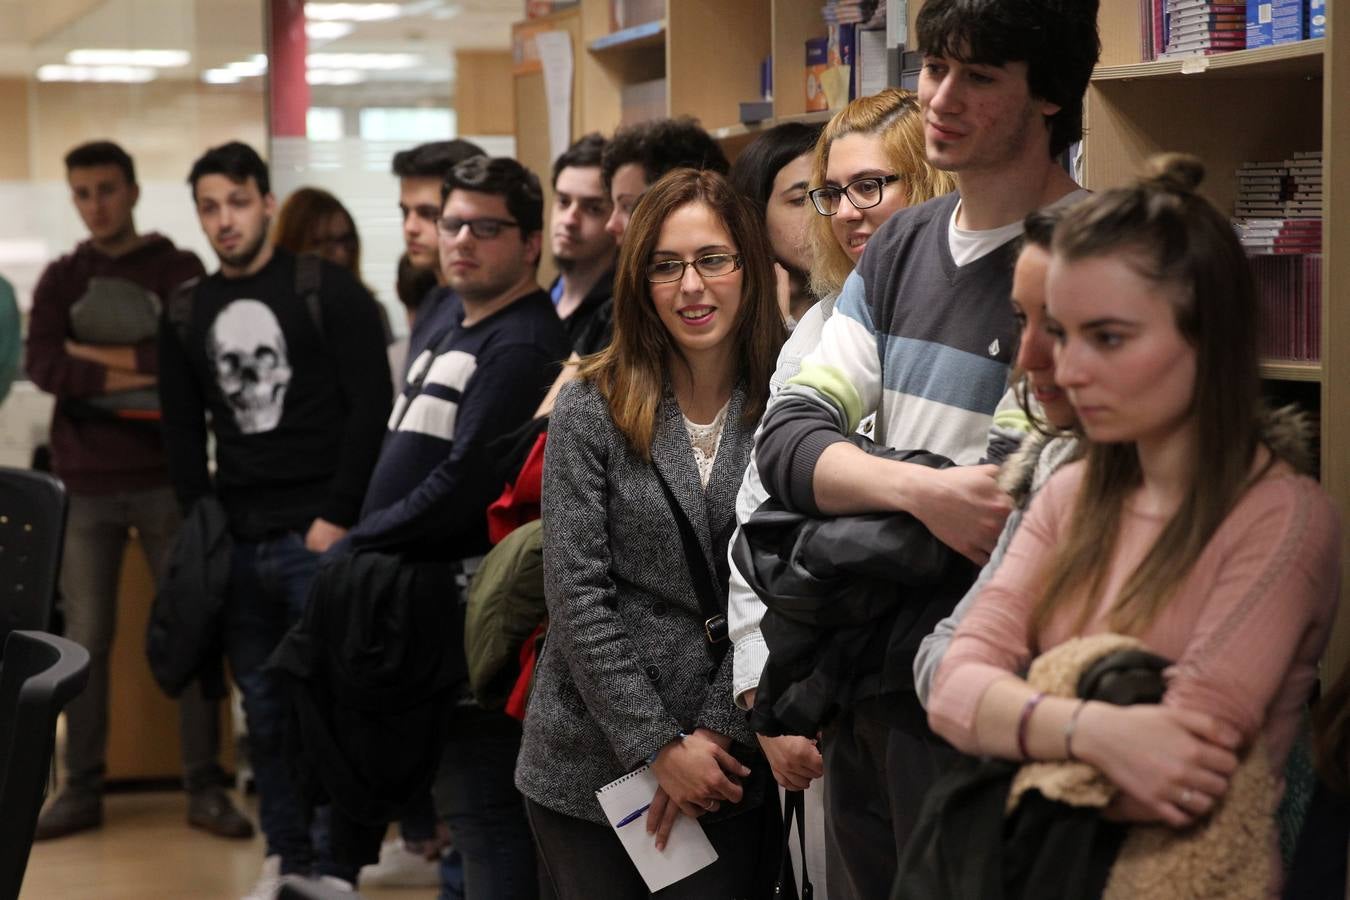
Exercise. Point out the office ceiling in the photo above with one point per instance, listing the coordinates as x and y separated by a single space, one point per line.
34 33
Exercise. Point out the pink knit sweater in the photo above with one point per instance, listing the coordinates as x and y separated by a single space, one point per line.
1246 627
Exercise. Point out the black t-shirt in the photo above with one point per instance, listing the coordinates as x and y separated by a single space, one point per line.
297 401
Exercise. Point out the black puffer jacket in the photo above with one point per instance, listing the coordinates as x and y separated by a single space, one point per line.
375 669
849 600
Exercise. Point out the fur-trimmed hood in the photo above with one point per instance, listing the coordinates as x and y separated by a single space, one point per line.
1289 432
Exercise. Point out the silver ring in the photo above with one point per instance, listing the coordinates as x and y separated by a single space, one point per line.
1187 796
712 805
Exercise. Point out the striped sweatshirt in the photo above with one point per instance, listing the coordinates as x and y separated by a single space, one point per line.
922 342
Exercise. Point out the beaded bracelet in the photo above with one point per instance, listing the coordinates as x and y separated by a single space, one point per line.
1022 723
1069 729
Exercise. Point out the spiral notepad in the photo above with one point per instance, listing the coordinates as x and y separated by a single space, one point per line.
687 848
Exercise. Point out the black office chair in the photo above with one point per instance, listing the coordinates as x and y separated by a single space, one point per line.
32 532
40 674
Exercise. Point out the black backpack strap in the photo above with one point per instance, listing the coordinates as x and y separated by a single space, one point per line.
178 309
714 612
308 280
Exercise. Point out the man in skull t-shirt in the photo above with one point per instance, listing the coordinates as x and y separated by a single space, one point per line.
295 384
297 430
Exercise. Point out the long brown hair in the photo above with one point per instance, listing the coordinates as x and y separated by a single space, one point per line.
894 115
1179 242
631 371
300 217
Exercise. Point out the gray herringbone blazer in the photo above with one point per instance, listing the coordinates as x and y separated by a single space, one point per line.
624 668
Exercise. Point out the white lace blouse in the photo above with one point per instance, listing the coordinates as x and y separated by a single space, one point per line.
705 440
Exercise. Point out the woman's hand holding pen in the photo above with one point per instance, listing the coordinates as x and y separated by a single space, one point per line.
696 774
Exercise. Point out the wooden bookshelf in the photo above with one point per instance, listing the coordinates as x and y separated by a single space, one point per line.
639 37
1303 58
1288 370
1260 104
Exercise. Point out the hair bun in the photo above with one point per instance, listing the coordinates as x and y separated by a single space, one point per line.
1179 173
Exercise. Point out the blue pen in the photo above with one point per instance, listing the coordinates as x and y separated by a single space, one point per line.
633 816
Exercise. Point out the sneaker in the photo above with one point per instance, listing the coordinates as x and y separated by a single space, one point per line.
401 867
269 880
322 886
69 813
211 810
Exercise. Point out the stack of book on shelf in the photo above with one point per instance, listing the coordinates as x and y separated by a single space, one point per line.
1279 221
1198 27
1288 188
850 61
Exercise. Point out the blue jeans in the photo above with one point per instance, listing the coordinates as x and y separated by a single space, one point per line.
269 581
476 794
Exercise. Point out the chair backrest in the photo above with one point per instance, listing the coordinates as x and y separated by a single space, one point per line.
40 674
32 532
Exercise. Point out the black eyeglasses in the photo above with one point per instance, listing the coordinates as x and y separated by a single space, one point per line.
714 265
484 229
863 193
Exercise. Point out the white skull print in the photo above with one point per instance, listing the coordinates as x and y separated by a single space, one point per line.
249 353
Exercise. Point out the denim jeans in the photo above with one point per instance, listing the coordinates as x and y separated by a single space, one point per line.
269 581
97 530
476 795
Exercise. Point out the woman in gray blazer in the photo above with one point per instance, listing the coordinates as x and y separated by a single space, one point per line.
645 454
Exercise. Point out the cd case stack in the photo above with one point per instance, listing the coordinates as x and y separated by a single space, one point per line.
1288 188
1198 27
1279 221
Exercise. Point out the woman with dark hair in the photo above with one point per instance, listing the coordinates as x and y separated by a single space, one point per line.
774 173
314 221
1181 528
641 469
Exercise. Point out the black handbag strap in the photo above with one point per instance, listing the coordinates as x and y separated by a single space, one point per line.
794 807
704 585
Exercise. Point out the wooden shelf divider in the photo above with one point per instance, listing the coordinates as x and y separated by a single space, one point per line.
648 34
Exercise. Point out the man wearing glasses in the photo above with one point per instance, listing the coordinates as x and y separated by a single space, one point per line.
485 352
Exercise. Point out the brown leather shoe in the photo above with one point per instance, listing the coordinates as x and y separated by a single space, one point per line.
70 812
210 809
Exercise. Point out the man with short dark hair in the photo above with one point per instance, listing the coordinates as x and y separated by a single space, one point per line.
421 171
631 162
582 249
91 343
640 154
922 335
488 346
290 371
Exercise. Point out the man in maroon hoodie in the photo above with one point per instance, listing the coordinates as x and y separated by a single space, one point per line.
92 344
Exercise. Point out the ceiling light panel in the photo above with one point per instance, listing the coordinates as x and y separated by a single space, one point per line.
351 12
327 31
159 59
116 74
335 76
364 61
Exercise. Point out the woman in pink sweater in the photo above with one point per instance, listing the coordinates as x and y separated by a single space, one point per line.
1180 527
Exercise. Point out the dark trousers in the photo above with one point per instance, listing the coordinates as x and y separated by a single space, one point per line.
97 529
475 793
585 861
269 581
877 772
